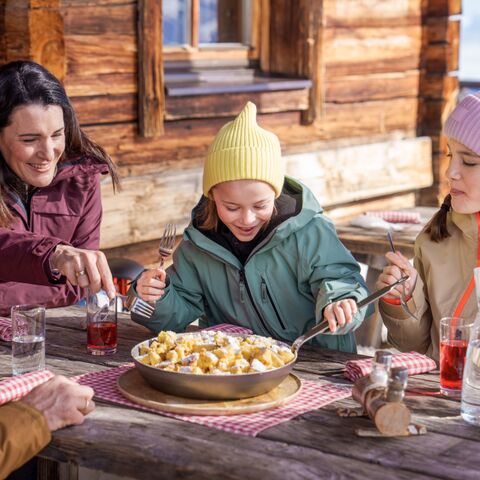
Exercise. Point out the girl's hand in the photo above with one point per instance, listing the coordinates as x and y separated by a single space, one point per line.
399 266
85 268
151 284
340 313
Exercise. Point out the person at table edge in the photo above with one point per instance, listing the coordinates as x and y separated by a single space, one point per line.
50 204
446 251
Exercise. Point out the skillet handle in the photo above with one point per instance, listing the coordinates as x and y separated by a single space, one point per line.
322 327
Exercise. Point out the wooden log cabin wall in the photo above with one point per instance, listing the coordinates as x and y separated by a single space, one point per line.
356 90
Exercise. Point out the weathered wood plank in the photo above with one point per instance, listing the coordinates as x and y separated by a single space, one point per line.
439 86
17 35
418 455
94 3
349 51
355 13
77 85
376 86
173 457
392 167
367 118
203 106
98 20
442 8
89 55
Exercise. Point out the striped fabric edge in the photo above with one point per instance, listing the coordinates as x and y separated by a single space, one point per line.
15 388
415 362
228 328
396 216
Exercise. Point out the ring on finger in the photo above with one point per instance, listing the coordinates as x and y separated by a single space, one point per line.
80 273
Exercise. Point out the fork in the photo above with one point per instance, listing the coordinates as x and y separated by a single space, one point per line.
137 305
403 296
167 242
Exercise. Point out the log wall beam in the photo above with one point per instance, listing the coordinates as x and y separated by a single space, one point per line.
151 95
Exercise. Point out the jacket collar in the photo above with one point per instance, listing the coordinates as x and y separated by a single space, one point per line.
467 223
309 208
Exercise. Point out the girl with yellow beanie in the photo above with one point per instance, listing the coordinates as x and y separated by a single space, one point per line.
258 252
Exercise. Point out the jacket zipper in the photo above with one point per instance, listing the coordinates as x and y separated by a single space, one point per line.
245 288
264 287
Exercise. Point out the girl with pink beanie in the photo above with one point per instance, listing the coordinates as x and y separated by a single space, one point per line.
446 251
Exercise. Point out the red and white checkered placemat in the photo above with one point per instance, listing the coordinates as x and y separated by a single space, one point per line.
228 328
414 361
312 396
394 216
5 329
14 388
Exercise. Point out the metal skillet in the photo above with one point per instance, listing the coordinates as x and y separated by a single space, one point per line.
235 386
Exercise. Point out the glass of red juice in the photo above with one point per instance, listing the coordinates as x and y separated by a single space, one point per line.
101 324
454 336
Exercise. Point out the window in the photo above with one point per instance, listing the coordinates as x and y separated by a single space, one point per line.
198 23
206 58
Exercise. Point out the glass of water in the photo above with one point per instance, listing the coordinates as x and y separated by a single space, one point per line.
28 341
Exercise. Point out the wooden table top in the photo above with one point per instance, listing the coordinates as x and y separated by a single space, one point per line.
317 444
374 242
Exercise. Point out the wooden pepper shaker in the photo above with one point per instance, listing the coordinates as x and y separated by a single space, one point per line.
390 415
377 380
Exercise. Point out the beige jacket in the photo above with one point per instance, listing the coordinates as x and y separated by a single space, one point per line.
23 433
444 270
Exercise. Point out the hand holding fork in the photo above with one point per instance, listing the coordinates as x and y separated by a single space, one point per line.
399 266
151 283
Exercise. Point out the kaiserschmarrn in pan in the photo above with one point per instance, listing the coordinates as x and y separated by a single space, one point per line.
214 353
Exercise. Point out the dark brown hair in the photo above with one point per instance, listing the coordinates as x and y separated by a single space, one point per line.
28 83
437 227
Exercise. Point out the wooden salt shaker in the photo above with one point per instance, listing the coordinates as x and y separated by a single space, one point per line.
376 382
390 415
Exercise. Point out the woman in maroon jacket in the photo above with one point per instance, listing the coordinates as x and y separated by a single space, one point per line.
50 204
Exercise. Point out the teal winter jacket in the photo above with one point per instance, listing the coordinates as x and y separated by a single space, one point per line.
280 291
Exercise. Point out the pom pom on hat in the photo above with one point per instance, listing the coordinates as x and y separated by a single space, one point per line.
463 124
242 150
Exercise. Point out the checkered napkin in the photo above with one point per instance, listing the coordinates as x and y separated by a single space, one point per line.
5 329
312 396
414 361
393 216
227 328
14 388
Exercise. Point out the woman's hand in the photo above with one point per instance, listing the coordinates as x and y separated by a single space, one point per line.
85 268
340 313
399 266
62 402
151 284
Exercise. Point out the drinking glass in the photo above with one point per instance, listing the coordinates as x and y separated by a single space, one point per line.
101 324
28 338
454 337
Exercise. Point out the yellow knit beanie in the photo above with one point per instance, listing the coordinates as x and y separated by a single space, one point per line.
244 151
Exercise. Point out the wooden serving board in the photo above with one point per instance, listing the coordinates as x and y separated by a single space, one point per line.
135 388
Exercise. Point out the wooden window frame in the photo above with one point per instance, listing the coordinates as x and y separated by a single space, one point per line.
272 94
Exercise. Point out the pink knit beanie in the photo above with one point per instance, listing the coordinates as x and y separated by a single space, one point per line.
463 124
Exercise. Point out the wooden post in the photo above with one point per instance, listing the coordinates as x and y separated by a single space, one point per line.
151 96
295 33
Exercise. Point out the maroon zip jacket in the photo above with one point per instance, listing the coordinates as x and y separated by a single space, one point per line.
67 211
